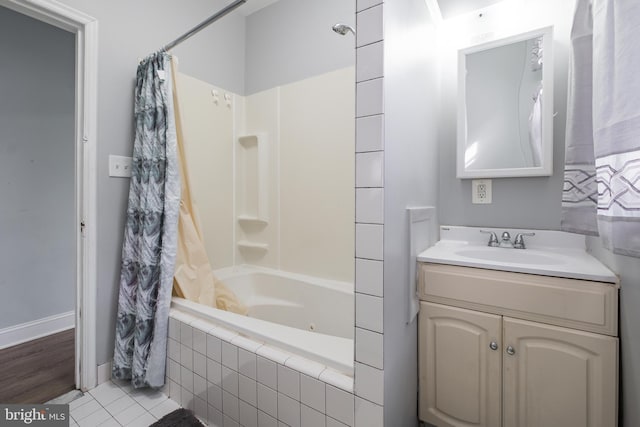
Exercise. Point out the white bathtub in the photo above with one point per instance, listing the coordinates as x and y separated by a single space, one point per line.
307 316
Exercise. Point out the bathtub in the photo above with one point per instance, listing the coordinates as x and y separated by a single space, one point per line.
310 317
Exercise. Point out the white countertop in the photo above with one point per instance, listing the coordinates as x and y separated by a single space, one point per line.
548 253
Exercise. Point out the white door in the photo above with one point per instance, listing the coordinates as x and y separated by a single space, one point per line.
558 377
460 366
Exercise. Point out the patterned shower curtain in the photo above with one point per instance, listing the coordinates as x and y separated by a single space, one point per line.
149 248
602 173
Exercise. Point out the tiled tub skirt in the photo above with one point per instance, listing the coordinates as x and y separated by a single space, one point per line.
230 380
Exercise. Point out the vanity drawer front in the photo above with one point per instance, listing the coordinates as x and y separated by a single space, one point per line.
578 304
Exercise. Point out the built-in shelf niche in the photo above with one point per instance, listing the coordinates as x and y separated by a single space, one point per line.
253 178
244 244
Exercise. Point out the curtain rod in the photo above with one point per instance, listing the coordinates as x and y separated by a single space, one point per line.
205 23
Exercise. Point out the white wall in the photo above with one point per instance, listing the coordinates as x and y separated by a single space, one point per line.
317 207
410 179
517 202
37 170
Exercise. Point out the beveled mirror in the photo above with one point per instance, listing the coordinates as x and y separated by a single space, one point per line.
505 107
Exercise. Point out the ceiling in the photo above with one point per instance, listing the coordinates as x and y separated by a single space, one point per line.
452 8
252 6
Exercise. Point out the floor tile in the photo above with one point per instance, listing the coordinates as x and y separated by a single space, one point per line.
106 393
164 408
95 419
143 421
149 399
129 414
80 401
85 410
120 405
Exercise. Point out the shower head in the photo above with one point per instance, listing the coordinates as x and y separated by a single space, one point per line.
343 29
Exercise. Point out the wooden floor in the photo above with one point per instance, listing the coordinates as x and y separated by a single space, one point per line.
39 370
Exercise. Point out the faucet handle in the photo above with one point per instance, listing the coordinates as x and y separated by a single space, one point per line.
518 243
493 239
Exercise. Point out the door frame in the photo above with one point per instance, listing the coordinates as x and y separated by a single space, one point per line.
85 29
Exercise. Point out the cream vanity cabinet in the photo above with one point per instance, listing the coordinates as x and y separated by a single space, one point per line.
516 350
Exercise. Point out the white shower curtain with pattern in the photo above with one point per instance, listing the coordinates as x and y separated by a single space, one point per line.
602 166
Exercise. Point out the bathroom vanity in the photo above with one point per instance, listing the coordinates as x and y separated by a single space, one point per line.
516 337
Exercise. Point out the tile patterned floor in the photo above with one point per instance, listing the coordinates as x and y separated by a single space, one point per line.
115 404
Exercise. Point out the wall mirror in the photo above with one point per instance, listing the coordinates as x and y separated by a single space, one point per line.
505 107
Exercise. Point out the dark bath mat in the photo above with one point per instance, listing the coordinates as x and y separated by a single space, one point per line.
178 418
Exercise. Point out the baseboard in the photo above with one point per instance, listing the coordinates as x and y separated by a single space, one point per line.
24 332
104 373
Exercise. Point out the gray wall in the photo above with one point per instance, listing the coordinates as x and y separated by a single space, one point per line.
517 202
292 40
410 179
628 269
37 162
128 31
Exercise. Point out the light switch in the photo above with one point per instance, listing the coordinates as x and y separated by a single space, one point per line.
119 166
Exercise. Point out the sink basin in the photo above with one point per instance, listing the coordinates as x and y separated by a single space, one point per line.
518 256
548 253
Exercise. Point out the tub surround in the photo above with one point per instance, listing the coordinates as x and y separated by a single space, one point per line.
227 379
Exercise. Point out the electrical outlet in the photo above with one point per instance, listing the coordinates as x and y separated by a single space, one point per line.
120 166
481 191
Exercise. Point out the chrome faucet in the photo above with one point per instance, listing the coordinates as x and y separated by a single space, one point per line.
518 243
505 241
493 239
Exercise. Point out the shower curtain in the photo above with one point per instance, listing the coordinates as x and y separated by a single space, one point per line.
149 247
602 173
194 279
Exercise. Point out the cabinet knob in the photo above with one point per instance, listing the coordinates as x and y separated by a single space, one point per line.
493 345
511 351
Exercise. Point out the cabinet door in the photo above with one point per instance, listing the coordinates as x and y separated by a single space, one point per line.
558 377
460 374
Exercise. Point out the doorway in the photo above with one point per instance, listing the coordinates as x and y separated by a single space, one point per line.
48 186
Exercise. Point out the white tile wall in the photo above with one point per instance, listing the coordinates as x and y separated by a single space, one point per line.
370 60
370 205
247 363
312 393
369 348
289 382
369 241
267 372
369 286
369 274
311 418
268 400
369 312
288 410
340 405
370 169
370 383
286 395
368 414
365 4
369 97
369 26
369 133
248 390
